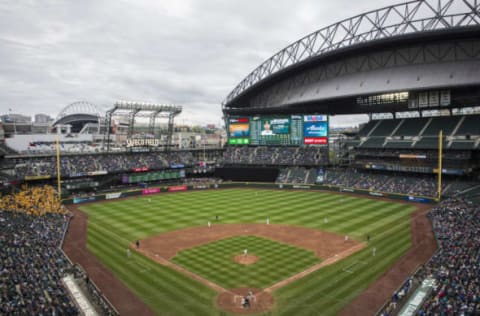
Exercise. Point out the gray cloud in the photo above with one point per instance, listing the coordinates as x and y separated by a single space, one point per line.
187 52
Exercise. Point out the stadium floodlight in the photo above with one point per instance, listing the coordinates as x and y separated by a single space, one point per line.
148 106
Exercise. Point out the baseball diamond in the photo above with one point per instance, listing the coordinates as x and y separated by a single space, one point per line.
328 289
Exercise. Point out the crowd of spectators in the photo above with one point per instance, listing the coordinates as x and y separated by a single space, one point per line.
81 165
205 182
421 185
33 201
283 156
455 266
298 175
40 147
32 265
397 152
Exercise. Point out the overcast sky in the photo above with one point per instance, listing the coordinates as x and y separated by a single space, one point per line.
186 52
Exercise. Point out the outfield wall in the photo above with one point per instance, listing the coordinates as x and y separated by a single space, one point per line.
178 188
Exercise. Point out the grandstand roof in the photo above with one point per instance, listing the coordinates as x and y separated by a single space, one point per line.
408 22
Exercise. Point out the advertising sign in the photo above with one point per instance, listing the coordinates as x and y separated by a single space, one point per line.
315 140
141 169
315 129
150 191
115 195
177 188
37 177
77 200
97 173
417 199
143 142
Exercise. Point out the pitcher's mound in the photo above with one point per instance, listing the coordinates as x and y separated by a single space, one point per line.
246 259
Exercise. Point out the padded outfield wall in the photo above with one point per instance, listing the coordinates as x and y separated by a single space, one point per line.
177 188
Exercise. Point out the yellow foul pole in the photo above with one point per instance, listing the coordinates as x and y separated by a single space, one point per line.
440 144
59 187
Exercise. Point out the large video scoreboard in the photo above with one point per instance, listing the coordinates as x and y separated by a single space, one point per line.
289 130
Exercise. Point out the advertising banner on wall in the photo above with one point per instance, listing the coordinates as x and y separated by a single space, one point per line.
37 177
177 188
418 199
140 169
110 196
97 173
150 191
77 200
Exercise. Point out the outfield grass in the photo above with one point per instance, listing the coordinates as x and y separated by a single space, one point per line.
214 261
113 225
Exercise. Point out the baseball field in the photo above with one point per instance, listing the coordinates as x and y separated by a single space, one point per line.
176 244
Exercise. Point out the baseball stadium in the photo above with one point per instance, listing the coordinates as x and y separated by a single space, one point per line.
125 212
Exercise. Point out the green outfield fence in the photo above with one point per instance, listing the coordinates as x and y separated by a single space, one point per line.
177 188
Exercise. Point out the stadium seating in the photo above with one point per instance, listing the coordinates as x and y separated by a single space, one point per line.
421 185
31 264
455 267
420 133
411 127
384 127
269 155
446 124
469 126
297 175
80 165
367 128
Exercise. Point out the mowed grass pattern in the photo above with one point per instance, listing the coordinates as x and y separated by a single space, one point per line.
214 261
114 225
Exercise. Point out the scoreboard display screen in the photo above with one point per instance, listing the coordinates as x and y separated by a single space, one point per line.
315 130
275 130
239 131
